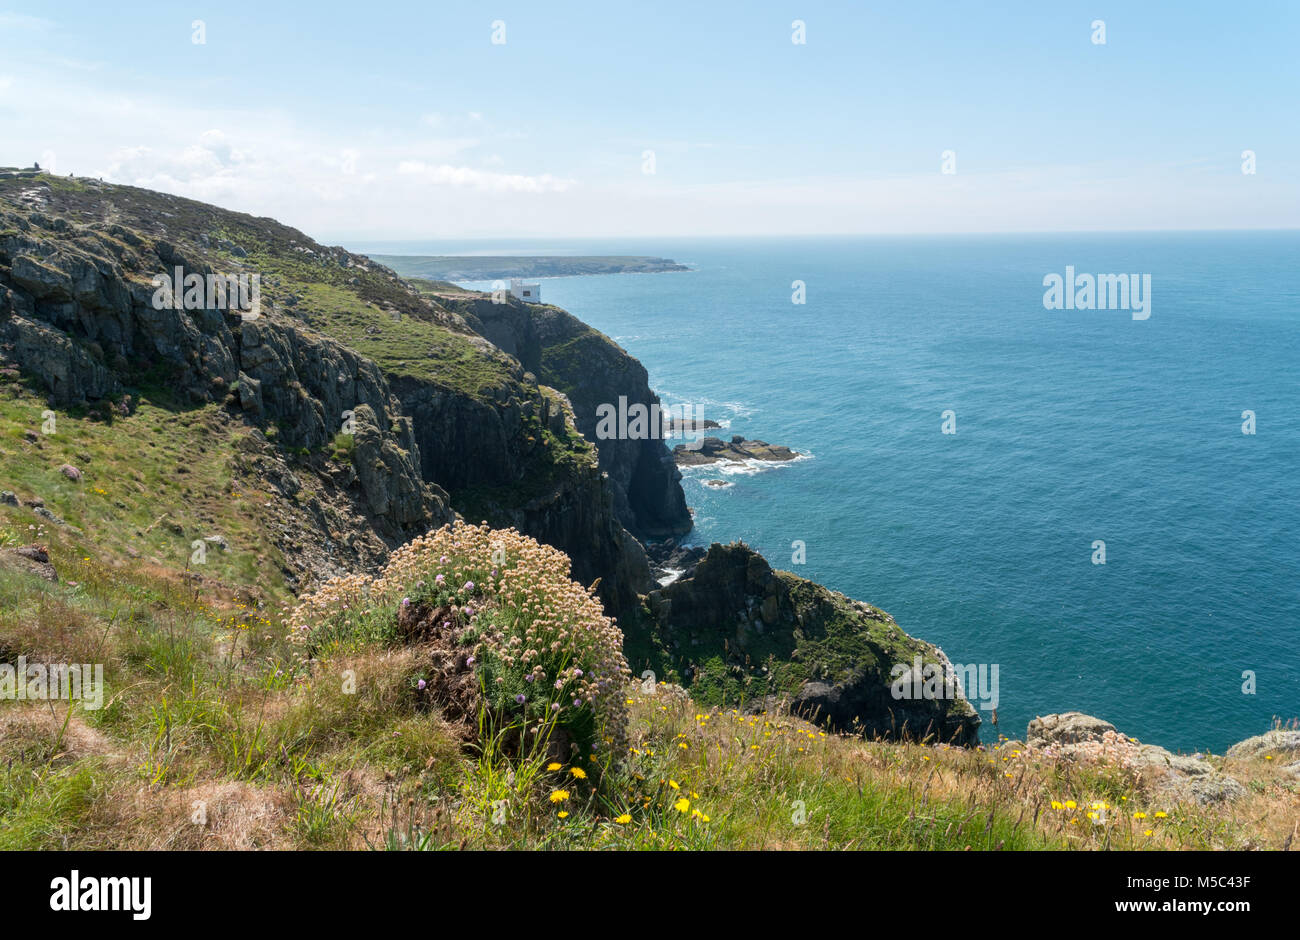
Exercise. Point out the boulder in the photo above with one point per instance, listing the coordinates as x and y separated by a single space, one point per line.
1066 728
1279 743
1084 738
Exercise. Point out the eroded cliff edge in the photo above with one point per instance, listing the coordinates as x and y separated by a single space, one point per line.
406 408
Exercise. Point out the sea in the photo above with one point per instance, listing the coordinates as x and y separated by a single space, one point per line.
1102 503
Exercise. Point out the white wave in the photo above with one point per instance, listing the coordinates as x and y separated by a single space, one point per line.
746 467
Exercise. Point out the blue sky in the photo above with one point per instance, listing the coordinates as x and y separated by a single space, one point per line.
387 120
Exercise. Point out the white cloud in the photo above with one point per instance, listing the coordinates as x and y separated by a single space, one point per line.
445 175
17 21
428 178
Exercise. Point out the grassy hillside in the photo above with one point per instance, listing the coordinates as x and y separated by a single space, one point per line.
176 487
214 735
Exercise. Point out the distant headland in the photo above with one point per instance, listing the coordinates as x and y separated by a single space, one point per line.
491 267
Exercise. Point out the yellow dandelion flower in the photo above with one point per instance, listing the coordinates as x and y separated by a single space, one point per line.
1161 814
682 805
563 813
674 784
553 766
1055 805
1070 804
1139 815
1148 832
578 772
624 819
559 796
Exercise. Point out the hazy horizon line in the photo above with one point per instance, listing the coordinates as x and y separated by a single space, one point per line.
752 236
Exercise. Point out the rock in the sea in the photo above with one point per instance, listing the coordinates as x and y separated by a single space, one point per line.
715 449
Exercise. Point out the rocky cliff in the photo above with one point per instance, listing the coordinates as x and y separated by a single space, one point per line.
440 420
591 370
736 631
351 411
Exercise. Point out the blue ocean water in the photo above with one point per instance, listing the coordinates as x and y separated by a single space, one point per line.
1072 426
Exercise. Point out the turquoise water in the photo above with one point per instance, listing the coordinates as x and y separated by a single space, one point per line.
1072 426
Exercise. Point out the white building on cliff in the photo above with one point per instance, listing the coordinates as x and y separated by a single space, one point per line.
529 293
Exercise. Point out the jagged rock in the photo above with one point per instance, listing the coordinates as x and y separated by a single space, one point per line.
1076 736
389 479
715 450
591 370
776 634
1213 788
71 472
250 394
9 499
33 559
1279 743
68 370
1066 728
1153 756
46 514
217 540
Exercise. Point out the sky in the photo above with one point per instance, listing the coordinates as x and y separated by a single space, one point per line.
355 121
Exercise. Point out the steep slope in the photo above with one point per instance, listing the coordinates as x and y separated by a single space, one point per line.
340 413
592 370
734 631
433 417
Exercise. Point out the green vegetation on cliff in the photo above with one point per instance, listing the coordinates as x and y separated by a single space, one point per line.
173 483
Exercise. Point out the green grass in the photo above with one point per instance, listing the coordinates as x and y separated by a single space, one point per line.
152 485
338 753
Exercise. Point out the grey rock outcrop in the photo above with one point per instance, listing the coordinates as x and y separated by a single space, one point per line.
1085 738
592 370
1280 743
737 628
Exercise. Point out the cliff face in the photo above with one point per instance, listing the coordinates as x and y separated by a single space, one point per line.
738 632
403 409
591 370
440 421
